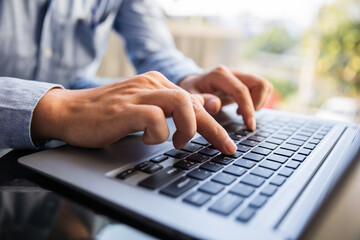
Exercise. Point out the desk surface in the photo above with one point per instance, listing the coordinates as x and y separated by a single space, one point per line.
26 209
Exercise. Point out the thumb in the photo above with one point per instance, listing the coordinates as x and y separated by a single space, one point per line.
212 103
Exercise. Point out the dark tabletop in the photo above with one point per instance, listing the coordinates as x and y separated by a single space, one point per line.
34 207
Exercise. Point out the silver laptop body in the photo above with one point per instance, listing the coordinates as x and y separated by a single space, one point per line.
112 177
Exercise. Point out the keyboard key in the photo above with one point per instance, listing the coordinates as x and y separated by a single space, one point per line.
262 172
244 163
271 165
198 158
293 164
201 141
126 174
314 141
185 164
211 166
246 214
249 143
286 172
285 153
212 188
197 198
263 134
305 133
235 155
253 156
305 152
295 142
244 132
159 159
290 147
299 158
258 201
269 130
236 136
226 204
274 141
209 151
199 174
277 158
242 148
222 159
161 177
224 178
234 170
242 190
302 138
310 146
278 180
319 136
153 168
142 166
192 147
256 138
268 145
253 180
281 136
269 190
178 187
175 153
262 151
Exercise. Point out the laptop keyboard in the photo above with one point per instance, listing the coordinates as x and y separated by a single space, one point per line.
203 177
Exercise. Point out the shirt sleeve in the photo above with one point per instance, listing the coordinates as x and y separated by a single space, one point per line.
18 99
148 41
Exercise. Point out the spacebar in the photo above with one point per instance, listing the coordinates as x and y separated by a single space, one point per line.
161 177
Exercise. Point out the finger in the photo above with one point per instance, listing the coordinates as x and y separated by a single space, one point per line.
151 120
178 104
232 86
213 131
212 103
260 88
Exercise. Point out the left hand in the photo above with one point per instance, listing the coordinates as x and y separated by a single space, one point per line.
223 86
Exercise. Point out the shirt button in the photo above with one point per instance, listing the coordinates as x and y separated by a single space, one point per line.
48 52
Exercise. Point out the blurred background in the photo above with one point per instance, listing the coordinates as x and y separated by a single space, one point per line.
308 49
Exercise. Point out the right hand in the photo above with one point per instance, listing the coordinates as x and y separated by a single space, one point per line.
100 116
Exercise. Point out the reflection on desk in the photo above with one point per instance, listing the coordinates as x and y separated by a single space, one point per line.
40 214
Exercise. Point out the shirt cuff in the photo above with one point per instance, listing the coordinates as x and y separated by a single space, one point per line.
19 99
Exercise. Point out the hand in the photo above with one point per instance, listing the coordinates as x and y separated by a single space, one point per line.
223 86
100 116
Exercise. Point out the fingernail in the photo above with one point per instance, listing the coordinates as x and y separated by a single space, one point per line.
230 147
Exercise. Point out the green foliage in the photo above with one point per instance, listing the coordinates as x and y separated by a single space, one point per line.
284 87
276 39
339 59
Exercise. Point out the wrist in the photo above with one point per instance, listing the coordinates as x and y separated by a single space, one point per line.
46 123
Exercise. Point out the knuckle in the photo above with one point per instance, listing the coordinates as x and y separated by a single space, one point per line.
155 75
242 89
196 105
148 79
221 68
181 96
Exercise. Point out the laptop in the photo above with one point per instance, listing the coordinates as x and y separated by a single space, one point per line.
269 189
